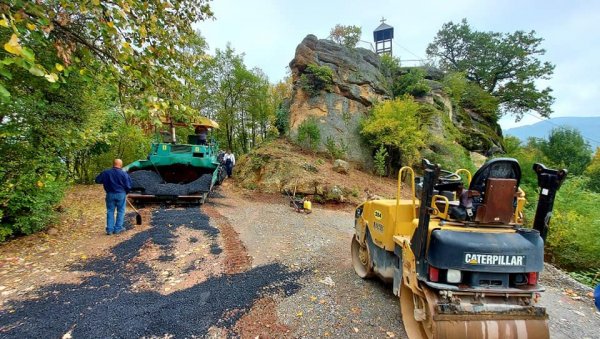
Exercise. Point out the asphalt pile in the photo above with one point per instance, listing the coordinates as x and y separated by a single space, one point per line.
149 182
103 304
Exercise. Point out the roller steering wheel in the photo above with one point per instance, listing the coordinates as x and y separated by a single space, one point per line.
449 177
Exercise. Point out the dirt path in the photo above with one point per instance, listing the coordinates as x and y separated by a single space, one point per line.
241 265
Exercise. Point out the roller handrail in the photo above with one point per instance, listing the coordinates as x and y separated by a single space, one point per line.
469 175
434 200
412 173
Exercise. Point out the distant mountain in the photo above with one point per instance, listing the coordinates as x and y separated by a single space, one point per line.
589 127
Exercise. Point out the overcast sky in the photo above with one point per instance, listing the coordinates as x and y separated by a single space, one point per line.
268 31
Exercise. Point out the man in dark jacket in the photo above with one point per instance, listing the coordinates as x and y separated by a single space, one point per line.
117 184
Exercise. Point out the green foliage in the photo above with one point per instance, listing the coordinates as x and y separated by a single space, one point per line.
449 154
412 82
380 161
566 148
135 43
396 124
334 150
589 277
467 94
348 36
504 65
316 79
47 133
282 121
593 172
575 227
309 134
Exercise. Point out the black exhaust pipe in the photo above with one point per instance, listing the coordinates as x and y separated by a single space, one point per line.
549 181
419 239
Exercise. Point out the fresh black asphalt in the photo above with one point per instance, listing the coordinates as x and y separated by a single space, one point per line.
103 305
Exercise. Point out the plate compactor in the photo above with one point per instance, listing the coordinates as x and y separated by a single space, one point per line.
457 255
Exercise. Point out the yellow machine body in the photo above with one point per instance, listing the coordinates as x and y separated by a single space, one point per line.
383 246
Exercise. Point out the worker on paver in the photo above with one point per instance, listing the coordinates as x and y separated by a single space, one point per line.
201 132
229 160
117 184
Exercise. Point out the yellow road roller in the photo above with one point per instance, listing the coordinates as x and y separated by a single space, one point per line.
456 253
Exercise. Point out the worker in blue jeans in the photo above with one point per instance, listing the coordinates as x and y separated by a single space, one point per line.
117 184
597 297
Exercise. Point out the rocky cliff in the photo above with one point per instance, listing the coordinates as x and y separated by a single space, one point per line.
357 84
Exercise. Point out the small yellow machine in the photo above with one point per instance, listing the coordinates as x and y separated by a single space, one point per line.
457 255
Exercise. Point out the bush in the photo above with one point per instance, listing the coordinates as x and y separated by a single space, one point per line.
396 125
309 134
348 36
28 200
282 121
470 96
593 172
335 151
575 227
450 155
413 83
316 79
380 161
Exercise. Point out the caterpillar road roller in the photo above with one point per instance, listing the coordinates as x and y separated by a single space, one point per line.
456 252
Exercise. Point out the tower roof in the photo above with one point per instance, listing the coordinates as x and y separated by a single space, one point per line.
382 27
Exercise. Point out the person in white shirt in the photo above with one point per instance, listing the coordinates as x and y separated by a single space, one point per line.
229 160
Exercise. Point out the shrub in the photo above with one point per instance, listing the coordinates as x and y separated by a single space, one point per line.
380 161
469 95
450 155
282 121
348 36
395 124
309 134
575 227
335 151
413 83
316 79
28 202
593 172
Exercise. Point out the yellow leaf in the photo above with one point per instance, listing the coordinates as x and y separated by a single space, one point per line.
4 23
52 77
13 46
30 26
126 45
143 31
110 24
96 2
84 257
299 314
40 184
59 67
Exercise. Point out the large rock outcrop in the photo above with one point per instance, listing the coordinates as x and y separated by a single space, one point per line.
357 85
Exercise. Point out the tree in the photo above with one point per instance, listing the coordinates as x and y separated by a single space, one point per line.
139 45
348 36
505 65
566 148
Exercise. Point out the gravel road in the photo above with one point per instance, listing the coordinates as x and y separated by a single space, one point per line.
242 265
319 244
